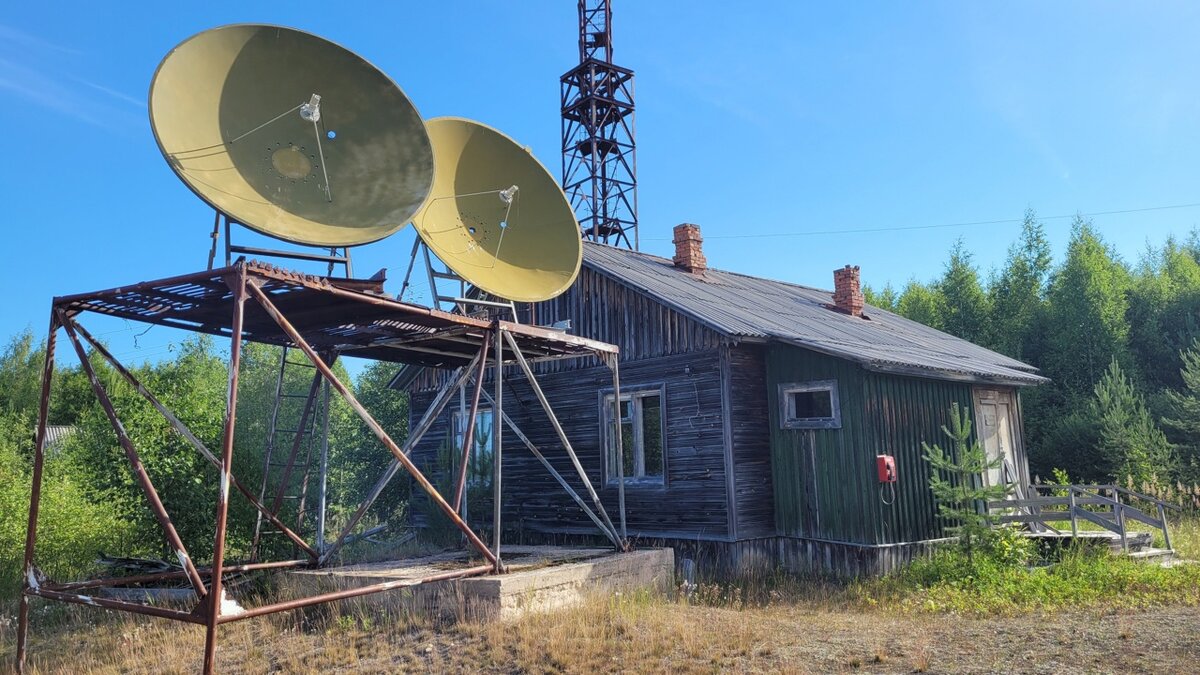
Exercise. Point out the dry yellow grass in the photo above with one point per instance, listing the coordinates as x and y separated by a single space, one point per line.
778 623
638 633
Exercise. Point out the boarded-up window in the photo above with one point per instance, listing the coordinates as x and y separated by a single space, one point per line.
642 438
809 405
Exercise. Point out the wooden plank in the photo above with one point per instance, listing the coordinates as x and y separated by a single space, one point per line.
1106 523
1140 516
1045 516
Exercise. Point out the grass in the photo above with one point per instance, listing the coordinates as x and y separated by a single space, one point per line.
772 621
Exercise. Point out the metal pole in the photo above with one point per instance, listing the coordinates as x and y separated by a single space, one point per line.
35 495
412 261
497 442
435 409
270 450
557 476
297 440
612 360
354 593
212 251
323 478
469 434
139 471
228 242
187 434
238 285
161 576
107 603
366 417
562 435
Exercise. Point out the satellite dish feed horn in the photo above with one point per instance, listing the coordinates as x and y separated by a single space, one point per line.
291 135
495 215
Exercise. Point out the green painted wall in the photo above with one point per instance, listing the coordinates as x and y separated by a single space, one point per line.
825 480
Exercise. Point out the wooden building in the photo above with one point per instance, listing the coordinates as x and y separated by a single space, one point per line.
752 413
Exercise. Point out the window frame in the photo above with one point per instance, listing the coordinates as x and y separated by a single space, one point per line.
633 394
787 409
458 434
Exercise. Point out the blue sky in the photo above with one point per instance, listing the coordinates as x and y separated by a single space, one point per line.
753 119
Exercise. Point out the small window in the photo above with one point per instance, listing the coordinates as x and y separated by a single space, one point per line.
642 437
479 463
809 405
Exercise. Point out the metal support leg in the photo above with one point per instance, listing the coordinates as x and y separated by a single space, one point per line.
498 442
269 307
439 404
269 453
469 434
216 595
611 361
557 476
135 462
562 435
190 437
323 474
297 441
35 496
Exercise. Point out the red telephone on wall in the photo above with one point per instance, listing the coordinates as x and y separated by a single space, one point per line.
885 465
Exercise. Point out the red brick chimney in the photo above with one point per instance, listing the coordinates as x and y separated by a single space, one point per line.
847 292
688 253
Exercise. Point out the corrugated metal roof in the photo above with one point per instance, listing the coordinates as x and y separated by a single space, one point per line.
744 306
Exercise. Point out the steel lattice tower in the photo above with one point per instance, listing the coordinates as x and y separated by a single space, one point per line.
599 171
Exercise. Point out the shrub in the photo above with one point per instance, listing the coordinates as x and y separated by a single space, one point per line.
72 527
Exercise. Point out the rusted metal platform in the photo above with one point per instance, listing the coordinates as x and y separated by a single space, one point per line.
323 318
350 316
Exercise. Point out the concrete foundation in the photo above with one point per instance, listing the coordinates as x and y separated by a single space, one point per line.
540 578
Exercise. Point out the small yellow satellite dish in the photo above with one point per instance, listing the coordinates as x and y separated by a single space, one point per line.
496 216
291 135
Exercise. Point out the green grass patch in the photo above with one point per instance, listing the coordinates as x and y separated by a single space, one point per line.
1081 578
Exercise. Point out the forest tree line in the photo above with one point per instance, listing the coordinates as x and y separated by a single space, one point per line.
1117 338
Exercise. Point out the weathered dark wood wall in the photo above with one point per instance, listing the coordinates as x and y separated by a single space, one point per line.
825 481
750 440
691 504
603 309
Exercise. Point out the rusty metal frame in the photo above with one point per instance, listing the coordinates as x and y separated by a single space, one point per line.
250 282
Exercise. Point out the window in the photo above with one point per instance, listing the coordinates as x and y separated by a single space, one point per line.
809 405
641 435
479 464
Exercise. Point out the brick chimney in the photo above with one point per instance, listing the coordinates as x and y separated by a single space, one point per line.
688 253
847 292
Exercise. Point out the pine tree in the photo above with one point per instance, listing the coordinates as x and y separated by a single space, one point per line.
1086 325
964 305
955 478
1018 293
1131 445
884 298
1163 308
921 303
1183 416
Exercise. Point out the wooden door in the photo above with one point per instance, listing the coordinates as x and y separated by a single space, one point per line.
998 429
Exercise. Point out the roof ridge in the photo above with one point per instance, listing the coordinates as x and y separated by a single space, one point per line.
626 251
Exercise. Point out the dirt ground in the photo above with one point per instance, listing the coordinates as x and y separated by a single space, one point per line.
666 637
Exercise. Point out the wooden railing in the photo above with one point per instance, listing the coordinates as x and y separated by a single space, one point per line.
1046 505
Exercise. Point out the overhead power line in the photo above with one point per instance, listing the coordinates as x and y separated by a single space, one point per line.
1003 221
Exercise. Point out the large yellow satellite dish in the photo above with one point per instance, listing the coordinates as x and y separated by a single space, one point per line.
496 216
291 135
